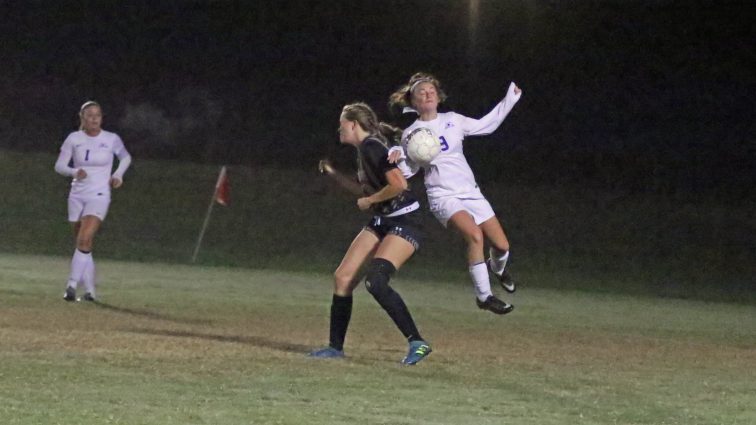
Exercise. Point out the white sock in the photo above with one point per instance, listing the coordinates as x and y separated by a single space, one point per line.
78 265
479 276
72 284
498 259
89 276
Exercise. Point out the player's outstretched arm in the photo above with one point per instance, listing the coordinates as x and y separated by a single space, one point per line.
489 123
351 185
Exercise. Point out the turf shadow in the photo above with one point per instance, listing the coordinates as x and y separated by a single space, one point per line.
249 340
149 314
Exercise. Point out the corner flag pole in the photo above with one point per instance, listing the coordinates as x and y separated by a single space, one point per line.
221 181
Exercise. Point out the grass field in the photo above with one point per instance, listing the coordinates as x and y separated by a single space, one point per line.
176 344
568 236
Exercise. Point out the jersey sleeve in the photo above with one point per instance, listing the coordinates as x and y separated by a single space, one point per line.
119 149
491 121
64 158
124 159
376 156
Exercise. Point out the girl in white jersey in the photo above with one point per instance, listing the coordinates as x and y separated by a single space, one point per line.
453 195
91 149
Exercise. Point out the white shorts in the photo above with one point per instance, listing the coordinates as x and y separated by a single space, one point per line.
80 206
444 208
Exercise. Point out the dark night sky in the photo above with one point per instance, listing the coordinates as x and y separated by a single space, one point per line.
652 89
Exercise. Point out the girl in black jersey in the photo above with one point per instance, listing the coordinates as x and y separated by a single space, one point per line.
388 241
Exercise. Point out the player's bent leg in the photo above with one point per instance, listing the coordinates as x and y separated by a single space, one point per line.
377 283
498 253
464 223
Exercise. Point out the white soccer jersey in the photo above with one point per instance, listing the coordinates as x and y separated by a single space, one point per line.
95 156
449 174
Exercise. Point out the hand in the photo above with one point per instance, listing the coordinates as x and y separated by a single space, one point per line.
80 174
325 167
115 182
395 154
364 203
513 89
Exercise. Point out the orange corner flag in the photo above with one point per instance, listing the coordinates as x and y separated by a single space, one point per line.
223 188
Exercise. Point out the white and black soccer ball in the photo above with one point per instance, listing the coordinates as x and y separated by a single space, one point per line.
422 145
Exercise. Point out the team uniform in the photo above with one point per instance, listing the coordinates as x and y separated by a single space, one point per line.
399 215
449 181
89 196
396 216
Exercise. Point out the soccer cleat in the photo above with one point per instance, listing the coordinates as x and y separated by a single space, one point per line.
326 353
505 279
88 297
494 305
418 350
70 294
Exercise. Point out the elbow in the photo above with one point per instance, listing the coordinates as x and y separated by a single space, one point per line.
61 169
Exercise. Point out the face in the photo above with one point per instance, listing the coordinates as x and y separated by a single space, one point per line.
347 131
91 119
425 97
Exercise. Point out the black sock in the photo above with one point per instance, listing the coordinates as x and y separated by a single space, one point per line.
341 313
377 282
399 313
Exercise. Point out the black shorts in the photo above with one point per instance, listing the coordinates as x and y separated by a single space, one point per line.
406 226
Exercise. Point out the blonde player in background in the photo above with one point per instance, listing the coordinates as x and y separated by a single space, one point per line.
91 149
453 195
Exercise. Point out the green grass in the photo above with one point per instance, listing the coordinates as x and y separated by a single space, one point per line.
294 219
179 344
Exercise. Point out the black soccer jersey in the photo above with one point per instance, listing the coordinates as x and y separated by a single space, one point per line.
373 165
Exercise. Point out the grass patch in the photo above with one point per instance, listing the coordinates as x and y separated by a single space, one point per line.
176 344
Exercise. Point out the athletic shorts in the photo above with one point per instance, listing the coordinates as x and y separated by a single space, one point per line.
405 226
80 206
444 208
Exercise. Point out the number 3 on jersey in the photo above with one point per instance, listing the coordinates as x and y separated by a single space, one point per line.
444 145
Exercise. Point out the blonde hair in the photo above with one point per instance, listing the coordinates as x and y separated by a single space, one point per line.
87 104
364 115
403 96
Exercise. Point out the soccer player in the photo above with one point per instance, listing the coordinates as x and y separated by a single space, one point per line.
386 242
453 195
91 149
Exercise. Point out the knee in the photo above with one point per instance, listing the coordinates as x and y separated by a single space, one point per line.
474 237
378 276
342 282
84 242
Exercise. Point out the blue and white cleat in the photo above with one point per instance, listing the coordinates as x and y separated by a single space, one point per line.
418 350
326 353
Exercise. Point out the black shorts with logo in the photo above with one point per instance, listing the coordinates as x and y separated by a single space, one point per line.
406 226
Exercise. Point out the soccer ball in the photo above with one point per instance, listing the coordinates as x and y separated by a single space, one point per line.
422 145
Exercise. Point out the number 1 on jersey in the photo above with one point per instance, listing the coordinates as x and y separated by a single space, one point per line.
86 156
